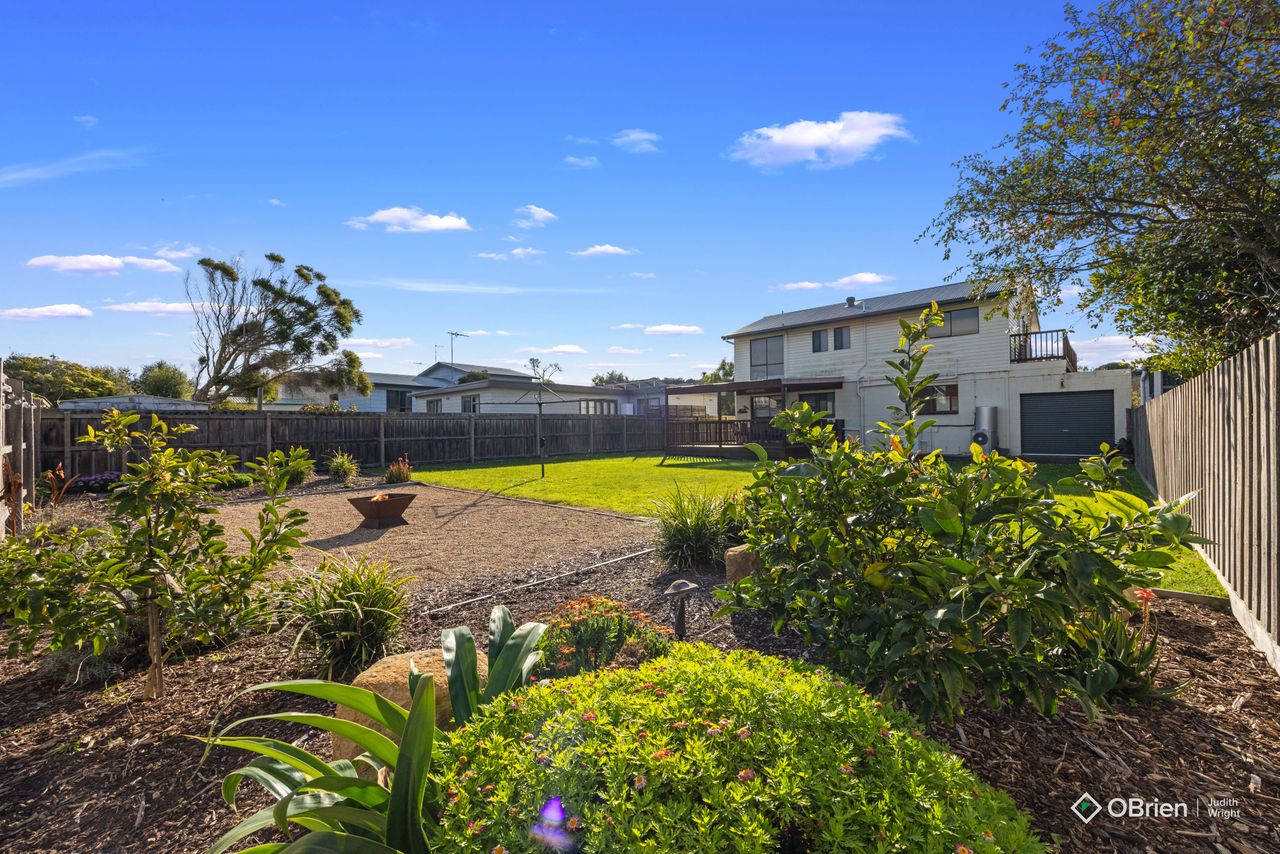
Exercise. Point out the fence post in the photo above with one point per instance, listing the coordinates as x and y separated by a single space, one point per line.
266 426
382 439
471 438
591 434
66 445
624 434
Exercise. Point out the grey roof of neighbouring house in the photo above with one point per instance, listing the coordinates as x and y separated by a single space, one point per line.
488 369
887 304
393 379
520 385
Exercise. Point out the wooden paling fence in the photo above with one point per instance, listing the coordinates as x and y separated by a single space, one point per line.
1218 435
373 439
19 454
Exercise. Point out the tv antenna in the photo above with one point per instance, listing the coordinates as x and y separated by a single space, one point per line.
454 336
436 352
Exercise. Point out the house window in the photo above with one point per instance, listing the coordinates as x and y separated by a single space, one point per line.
765 406
597 407
470 403
398 401
842 337
766 358
433 406
942 400
961 321
823 401
333 398
819 340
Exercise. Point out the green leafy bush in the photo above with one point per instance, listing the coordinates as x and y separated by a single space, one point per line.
593 632
299 466
929 583
342 466
694 529
236 480
339 810
513 656
703 752
164 559
348 612
400 471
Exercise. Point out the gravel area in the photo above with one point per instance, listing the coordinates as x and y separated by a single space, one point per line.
452 535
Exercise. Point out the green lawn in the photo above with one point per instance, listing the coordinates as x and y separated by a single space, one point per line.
624 484
633 484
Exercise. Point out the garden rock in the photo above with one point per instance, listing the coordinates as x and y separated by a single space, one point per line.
740 562
390 678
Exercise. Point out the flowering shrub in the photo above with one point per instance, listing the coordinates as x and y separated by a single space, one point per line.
592 631
699 751
929 583
400 471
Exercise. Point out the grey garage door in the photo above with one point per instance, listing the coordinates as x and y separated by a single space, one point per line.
1067 422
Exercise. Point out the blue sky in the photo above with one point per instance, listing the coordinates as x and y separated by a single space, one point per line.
609 186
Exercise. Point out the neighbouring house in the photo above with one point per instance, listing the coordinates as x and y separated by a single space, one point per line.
145 402
391 392
505 395
1002 381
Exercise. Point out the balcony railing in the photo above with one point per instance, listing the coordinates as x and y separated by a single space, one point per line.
1045 346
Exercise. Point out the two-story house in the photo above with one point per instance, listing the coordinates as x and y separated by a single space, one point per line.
998 377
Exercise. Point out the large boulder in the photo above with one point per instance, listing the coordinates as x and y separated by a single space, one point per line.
740 562
390 678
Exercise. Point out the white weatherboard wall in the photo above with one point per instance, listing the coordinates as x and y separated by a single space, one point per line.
375 401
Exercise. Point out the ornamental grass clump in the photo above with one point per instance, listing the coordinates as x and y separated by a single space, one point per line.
342 467
694 529
592 632
705 752
930 583
347 612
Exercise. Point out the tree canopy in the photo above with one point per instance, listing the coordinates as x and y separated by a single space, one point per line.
58 379
1145 170
164 379
609 378
722 373
473 377
258 330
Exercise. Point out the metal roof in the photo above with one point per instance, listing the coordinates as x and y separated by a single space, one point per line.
392 379
887 304
466 368
519 385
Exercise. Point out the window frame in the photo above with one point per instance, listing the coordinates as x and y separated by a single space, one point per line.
820 340
949 391
808 397
470 404
765 370
404 402
947 329
433 406
835 338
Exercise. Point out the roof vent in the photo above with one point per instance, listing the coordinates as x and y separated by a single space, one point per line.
854 302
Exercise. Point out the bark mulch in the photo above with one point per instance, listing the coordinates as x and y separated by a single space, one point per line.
100 770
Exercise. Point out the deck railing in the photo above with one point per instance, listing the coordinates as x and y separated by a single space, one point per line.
707 433
1044 346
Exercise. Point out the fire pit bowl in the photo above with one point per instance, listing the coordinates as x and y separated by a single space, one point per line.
384 510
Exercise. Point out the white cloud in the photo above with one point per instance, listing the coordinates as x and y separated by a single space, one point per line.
520 253
150 307
161 334
85 121
1109 348
820 145
399 219
677 355
174 251
532 216
644 275
109 264
852 281
92 161
636 140
381 343
43 311
672 329
559 348
275 203
482 333
629 326
371 355
797 286
588 162
603 249
493 256
625 351
580 140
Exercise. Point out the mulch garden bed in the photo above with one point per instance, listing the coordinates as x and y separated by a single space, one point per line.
84 769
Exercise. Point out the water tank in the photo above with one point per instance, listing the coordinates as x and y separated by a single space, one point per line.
984 428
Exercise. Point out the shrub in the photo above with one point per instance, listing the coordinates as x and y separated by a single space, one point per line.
299 467
703 752
347 612
694 529
164 559
513 655
400 471
342 466
592 632
100 482
236 480
929 583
